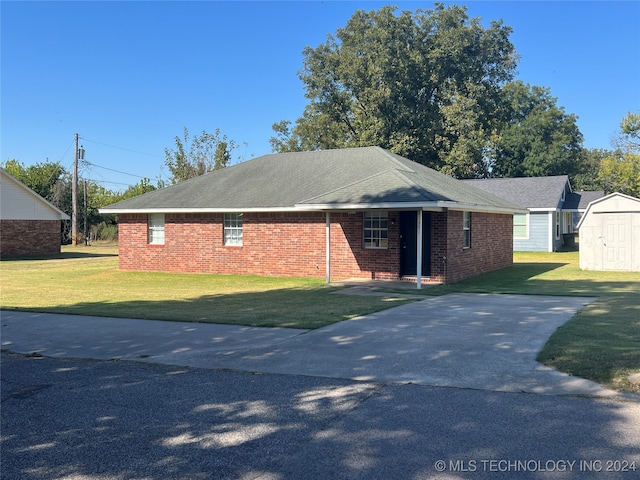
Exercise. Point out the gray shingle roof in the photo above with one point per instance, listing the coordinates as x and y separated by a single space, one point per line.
367 176
528 192
581 200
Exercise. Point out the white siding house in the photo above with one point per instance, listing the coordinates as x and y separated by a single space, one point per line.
610 234
553 209
29 225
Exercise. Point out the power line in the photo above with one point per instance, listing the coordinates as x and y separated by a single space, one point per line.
112 170
122 148
106 182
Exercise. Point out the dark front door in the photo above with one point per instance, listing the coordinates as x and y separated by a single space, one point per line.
409 243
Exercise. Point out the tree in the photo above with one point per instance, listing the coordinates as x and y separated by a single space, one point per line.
629 135
621 172
41 177
198 155
589 168
538 138
425 85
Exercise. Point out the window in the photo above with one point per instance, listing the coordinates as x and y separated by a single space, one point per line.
233 229
156 228
376 230
520 225
567 222
466 227
557 214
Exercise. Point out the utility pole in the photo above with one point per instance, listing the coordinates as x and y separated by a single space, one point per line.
86 233
79 154
74 197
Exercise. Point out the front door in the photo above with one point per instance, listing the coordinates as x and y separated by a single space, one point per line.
409 243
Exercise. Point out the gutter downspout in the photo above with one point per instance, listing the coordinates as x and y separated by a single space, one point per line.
328 247
419 248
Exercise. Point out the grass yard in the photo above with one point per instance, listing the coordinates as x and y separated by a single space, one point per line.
86 280
601 343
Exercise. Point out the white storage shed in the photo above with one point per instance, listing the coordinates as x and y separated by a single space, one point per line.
610 234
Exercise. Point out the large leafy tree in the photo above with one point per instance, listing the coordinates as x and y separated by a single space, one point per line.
621 172
589 168
423 84
198 155
537 138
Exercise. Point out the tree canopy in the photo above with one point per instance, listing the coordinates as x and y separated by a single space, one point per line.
422 84
538 138
434 86
198 155
620 172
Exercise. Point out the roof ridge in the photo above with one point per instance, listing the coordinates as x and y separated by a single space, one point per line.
394 158
357 182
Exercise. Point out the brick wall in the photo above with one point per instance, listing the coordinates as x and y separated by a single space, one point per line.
280 244
293 244
491 245
29 238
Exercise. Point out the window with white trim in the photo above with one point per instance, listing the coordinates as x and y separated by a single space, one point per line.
567 222
156 228
557 214
520 225
466 227
233 229
376 230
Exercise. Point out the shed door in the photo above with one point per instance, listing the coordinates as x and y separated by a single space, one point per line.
616 242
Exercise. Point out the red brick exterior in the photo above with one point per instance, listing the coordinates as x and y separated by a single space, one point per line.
491 245
29 238
293 244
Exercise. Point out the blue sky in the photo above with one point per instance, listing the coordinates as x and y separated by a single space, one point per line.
127 76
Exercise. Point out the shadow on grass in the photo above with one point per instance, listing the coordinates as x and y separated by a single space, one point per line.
290 308
61 256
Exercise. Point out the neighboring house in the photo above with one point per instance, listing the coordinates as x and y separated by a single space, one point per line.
610 234
29 225
553 209
337 214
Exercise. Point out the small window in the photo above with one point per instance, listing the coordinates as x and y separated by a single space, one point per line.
233 229
466 227
156 228
557 214
567 223
521 225
376 230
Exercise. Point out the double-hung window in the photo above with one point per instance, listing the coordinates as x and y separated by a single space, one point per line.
376 230
466 227
233 229
520 225
156 228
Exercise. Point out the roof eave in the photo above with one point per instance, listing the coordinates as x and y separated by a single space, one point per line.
436 206
427 206
115 211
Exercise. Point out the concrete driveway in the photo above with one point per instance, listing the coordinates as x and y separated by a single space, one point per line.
477 341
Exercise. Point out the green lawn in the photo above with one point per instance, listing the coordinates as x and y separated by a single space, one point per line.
86 280
601 343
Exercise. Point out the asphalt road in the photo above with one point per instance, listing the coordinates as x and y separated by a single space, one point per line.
100 420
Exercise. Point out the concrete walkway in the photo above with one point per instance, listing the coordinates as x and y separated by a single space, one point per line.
477 341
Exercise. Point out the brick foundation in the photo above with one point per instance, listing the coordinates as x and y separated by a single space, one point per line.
29 238
293 244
